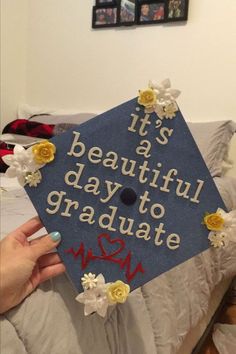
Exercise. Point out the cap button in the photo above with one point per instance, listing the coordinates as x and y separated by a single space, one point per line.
128 196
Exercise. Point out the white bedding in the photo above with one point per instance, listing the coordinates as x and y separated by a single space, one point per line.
155 319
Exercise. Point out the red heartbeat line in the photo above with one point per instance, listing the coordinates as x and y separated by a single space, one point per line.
123 263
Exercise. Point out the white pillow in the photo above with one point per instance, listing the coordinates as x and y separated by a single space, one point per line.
77 118
227 188
50 116
213 140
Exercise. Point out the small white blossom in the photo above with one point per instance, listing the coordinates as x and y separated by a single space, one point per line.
89 281
33 178
218 239
170 110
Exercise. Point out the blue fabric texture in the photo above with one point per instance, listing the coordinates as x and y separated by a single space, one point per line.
165 217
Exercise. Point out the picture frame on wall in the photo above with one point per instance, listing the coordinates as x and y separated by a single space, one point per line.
151 11
128 12
106 16
177 10
105 2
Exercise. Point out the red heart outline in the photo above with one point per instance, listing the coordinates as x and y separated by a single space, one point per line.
115 241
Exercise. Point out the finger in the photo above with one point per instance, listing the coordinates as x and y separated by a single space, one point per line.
36 240
51 271
48 259
44 245
29 228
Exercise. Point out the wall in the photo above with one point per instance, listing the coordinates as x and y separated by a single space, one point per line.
71 66
14 20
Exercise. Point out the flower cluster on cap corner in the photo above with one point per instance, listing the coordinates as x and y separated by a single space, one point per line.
98 295
222 227
159 98
25 164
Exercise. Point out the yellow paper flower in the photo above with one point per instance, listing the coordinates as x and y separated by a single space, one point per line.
214 221
44 152
118 292
147 97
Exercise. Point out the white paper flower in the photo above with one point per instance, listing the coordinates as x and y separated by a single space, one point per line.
95 299
33 178
165 94
229 223
89 281
159 111
229 218
21 162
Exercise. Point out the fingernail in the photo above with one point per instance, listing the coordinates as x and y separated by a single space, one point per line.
55 236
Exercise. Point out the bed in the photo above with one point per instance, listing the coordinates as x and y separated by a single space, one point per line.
168 315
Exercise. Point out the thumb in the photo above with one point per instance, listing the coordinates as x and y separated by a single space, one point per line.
45 244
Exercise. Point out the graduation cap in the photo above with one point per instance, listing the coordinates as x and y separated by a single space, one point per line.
128 190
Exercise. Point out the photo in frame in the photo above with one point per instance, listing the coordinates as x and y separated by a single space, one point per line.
177 10
104 16
151 12
128 12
